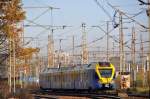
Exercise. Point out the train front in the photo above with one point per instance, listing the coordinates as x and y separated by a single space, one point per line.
106 74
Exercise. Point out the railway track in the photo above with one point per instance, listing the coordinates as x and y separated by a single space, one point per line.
59 94
139 96
84 95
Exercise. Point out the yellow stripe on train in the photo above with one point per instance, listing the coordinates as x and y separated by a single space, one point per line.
105 80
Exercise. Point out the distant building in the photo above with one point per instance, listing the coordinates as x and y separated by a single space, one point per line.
62 58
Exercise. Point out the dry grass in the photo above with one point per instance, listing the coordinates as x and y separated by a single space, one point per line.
139 80
20 93
4 89
32 86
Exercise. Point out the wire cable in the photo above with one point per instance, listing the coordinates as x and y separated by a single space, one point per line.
103 9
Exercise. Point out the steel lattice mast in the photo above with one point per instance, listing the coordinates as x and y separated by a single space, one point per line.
84 46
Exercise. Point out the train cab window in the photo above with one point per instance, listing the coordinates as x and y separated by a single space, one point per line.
105 72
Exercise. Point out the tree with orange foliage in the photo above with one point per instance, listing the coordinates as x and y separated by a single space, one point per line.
10 17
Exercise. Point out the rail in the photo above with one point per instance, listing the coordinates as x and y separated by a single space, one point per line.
38 94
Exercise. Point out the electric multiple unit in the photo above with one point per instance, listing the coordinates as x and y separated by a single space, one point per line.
93 76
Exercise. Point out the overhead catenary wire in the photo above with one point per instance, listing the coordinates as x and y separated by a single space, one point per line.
61 34
143 2
116 40
69 31
37 24
32 38
118 10
133 15
39 2
47 27
96 40
100 38
44 12
142 42
115 24
103 9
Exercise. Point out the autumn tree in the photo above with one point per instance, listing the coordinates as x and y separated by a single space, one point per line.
11 14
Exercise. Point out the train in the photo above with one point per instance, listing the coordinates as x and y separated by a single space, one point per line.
92 76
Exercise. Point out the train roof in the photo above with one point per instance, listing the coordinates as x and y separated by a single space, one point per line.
70 68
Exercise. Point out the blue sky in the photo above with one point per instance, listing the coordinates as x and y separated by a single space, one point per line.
73 13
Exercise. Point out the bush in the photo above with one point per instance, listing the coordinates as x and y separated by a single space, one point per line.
1 96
